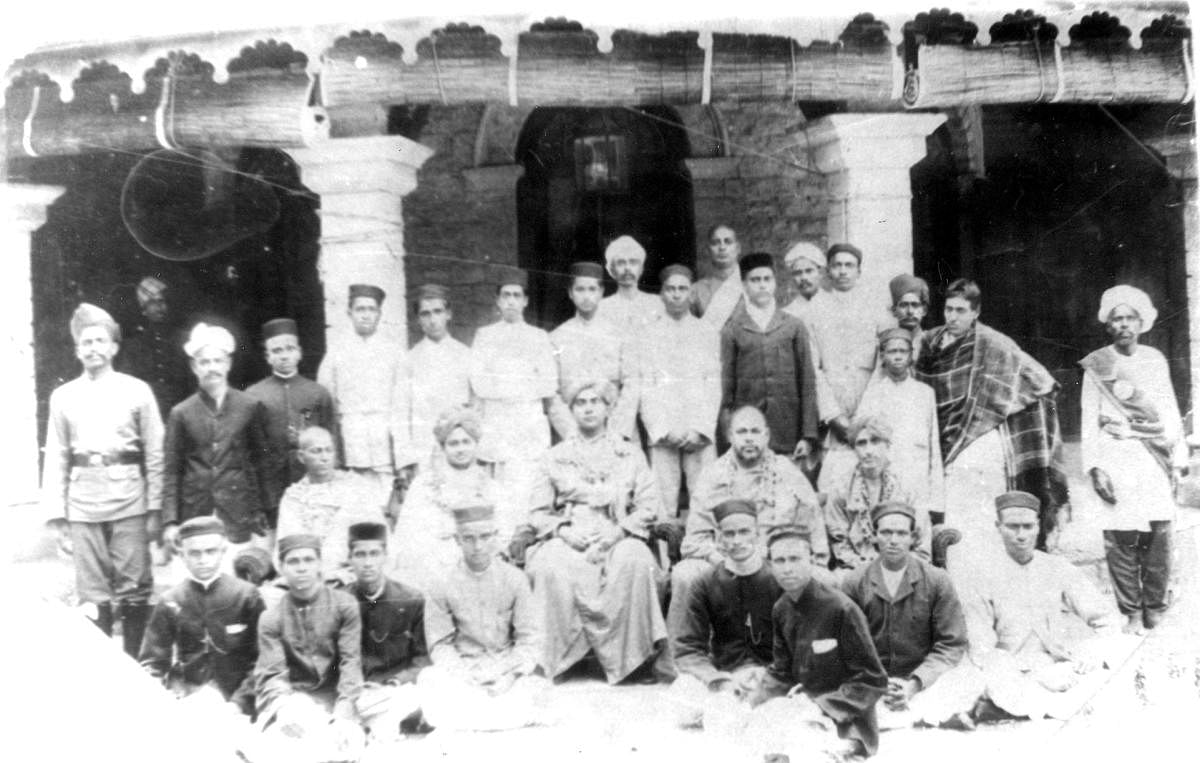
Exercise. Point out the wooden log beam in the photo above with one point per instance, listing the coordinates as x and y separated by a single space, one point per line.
951 75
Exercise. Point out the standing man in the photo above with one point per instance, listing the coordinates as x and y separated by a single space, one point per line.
725 640
151 353
910 409
823 653
292 402
483 635
845 326
216 448
806 263
1132 438
998 422
589 347
204 631
748 471
910 304
309 669
594 579
766 362
102 479
630 309
916 622
514 377
365 374
715 296
393 634
439 369
679 364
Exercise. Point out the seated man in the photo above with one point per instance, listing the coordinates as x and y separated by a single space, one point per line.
1038 628
916 623
483 637
326 501
594 578
872 481
310 661
203 632
393 635
724 644
749 470
824 659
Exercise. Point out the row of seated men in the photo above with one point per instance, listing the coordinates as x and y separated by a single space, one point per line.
767 643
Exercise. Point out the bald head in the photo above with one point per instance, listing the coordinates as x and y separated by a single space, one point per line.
748 435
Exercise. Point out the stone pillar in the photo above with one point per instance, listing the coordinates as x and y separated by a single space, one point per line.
867 158
361 182
24 211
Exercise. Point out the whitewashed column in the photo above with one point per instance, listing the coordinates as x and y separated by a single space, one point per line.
361 182
24 211
867 158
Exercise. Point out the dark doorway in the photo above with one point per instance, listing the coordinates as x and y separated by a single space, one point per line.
592 175
86 253
1070 205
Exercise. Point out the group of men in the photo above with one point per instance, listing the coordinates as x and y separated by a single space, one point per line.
507 487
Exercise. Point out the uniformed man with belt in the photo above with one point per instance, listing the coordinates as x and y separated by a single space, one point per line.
103 477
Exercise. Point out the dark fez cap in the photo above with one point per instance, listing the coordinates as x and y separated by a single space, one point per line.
279 327
755 260
586 270
366 290
733 506
298 540
201 526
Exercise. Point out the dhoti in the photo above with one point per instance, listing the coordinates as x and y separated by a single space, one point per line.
610 608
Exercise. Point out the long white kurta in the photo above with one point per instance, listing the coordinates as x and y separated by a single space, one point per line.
1142 488
630 315
911 408
439 377
594 349
512 371
366 377
845 327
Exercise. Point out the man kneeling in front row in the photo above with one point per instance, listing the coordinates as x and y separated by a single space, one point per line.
393 637
483 637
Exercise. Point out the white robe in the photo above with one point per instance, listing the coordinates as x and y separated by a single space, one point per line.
366 378
594 349
630 315
439 377
512 372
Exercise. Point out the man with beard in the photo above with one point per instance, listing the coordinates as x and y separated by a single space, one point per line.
591 347
715 296
103 477
292 404
630 309
216 448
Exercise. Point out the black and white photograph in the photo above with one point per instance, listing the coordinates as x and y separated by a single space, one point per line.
749 382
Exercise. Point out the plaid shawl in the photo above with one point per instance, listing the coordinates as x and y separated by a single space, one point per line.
1139 410
986 381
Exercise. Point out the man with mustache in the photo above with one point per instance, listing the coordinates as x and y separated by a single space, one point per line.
630 309
216 448
103 476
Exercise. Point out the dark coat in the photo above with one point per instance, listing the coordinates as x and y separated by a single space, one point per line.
212 463
922 633
153 352
727 623
199 635
771 370
842 675
292 405
393 632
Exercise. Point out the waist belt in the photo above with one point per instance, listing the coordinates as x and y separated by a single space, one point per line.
105 459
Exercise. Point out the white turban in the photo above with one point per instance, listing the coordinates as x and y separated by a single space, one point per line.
624 246
1134 298
204 335
804 251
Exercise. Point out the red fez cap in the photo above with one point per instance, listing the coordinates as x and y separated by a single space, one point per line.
675 269
367 290
586 270
279 327
755 260
733 506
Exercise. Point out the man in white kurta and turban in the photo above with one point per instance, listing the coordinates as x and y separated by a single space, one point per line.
1132 441
630 309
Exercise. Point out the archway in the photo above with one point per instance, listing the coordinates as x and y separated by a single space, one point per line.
592 175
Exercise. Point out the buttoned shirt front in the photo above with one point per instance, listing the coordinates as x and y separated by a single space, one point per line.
393 625
439 377
679 362
366 377
595 349
512 371
292 404
630 314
